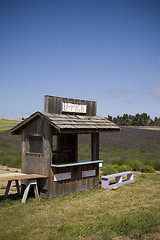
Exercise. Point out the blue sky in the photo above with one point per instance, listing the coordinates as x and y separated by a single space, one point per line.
103 50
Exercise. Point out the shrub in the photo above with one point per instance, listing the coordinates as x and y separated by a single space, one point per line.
134 164
115 160
10 159
124 168
107 169
155 164
148 169
110 169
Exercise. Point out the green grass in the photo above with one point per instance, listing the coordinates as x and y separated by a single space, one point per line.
10 159
6 124
10 149
130 212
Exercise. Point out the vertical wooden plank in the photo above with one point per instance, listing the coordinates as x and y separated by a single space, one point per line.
95 146
60 183
75 148
52 104
24 151
79 178
73 179
90 179
92 182
47 151
88 108
68 185
94 108
97 174
85 179
46 103
58 105
91 108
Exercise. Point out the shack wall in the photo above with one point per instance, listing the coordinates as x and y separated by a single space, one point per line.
77 183
39 163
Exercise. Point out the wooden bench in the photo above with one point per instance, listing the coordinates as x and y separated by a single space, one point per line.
118 179
31 180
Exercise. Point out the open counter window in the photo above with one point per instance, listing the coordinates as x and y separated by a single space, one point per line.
36 144
54 143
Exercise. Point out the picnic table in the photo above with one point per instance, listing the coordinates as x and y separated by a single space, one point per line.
31 180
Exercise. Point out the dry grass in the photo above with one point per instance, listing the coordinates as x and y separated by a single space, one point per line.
149 128
3 184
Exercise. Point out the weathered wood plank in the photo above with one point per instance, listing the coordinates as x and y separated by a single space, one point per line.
19 176
95 146
54 104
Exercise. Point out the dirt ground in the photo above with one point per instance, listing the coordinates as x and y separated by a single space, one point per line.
3 184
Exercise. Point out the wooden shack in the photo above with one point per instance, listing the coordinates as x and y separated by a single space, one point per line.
50 145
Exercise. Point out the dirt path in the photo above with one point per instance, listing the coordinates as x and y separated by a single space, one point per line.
3 184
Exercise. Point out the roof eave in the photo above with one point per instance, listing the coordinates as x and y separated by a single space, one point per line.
88 131
18 128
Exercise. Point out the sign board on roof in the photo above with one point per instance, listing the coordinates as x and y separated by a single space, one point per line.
74 107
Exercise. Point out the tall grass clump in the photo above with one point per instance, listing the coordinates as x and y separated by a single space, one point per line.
134 164
147 169
111 169
155 164
10 149
10 159
138 224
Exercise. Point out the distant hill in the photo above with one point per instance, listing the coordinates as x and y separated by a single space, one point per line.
6 124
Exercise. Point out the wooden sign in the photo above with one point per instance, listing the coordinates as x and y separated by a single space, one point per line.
62 176
74 107
89 173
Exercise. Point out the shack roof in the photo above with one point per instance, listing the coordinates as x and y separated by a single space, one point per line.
70 123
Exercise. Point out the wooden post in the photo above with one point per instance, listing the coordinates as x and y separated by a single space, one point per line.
75 148
95 146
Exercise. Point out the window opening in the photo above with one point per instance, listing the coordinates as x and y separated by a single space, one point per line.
84 147
35 144
54 143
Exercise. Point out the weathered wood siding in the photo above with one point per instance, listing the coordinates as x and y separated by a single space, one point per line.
53 105
76 183
37 162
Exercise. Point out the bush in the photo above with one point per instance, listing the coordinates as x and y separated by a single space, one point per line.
155 164
124 168
115 161
148 169
107 169
110 169
10 159
134 164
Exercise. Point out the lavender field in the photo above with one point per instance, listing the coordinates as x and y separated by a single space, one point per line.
132 147
137 148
